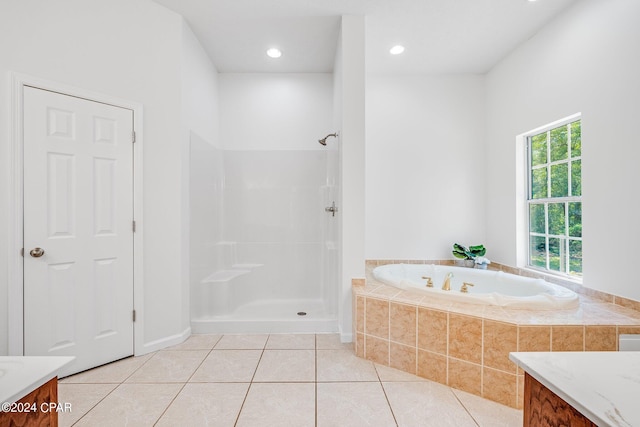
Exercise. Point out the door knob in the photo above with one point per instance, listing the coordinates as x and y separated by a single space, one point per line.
36 252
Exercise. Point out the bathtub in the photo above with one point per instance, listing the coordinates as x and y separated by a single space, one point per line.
490 287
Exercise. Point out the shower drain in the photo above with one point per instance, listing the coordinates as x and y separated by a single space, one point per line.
302 313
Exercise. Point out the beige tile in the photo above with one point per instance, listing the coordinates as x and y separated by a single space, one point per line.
279 405
131 405
359 314
343 365
464 376
488 413
567 338
353 404
465 338
215 404
228 366
357 282
520 402
402 321
82 398
629 303
286 366
600 338
402 357
114 373
628 330
377 318
169 366
387 374
376 349
500 386
359 345
534 338
499 339
242 342
426 404
198 342
331 342
291 342
432 366
432 330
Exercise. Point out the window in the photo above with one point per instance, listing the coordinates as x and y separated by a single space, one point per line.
555 199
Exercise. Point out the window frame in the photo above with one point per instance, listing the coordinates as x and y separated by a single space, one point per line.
565 270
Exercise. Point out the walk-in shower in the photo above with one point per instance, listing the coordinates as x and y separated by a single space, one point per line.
264 252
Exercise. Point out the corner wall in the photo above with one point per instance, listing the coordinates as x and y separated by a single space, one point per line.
352 162
200 127
584 61
425 165
128 50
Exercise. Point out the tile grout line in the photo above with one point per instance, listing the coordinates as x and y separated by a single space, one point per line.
385 394
186 382
251 381
117 385
465 408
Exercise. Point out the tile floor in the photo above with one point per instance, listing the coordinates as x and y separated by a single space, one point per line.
267 380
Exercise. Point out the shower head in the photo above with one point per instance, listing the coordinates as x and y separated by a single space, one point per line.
323 141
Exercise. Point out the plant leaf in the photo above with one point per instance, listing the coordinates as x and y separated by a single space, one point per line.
477 250
459 254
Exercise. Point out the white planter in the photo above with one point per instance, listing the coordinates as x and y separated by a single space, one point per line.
469 263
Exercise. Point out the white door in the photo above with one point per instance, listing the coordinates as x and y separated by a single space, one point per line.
78 236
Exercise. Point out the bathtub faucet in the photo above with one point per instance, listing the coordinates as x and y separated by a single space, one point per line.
446 286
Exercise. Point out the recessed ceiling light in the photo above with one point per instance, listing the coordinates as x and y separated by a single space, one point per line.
274 52
396 50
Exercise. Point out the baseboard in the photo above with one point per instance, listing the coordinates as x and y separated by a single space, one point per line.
165 342
346 337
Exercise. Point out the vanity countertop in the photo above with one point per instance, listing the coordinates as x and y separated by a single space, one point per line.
603 386
20 375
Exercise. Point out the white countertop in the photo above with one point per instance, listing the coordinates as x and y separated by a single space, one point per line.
603 385
20 375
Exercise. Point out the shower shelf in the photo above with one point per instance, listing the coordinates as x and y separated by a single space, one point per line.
246 266
224 276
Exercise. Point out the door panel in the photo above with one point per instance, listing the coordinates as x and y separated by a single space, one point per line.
78 207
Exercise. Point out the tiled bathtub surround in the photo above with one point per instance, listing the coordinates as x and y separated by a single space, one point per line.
467 346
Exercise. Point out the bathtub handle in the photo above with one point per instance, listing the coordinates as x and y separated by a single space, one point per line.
464 289
429 281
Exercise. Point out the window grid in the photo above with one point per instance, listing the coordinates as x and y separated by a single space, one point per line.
565 239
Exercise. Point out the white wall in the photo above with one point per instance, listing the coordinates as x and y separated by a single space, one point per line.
425 182
128 50
585 61
283 111
352 161
200 126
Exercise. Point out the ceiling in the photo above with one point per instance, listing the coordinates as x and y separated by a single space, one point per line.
440 36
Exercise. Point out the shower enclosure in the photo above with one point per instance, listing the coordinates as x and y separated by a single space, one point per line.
263 246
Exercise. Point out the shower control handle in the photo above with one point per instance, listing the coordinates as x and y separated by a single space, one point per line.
333 209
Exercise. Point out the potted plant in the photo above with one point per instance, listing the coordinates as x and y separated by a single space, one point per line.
468 255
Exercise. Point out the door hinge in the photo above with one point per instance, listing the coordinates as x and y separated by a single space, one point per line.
133 226
134 315
133 136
